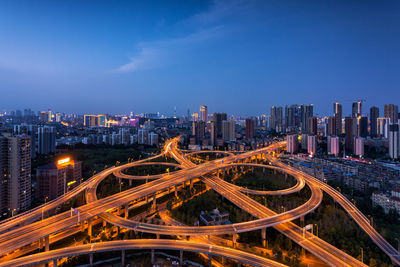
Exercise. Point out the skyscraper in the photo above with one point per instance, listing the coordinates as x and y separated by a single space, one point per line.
356 109
391 111
46 140
250 128
337 112
203 113
394 145
198 130
358 148
31 131
312 125
373 116
362 126
306 112
15 173
292 114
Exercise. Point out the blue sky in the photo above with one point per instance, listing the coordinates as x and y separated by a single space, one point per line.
235 56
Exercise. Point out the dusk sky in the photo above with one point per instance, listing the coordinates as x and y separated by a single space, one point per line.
238 57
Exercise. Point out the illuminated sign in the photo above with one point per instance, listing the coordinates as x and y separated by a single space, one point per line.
62 161
71 183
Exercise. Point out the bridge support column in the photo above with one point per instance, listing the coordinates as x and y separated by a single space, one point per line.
180 257
118 230
54 263
154 205
147 199
123 258
91 259
104 223
191 184
209 260
264 237
47 243
152 256
126 210
234 238
302 221
158 236
90 228
176 191
130 182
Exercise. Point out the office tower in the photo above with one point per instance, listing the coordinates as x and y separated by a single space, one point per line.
228 130
391 111
358 148
217 120
337 112
46 140
383 127
312 126
15 171
394 145
362 126
356 109
349 132
153 139
306 112
57 178
250 128
373 116
276 122
31 131
143 136
198 131
333 145
312 144
203 113
291 145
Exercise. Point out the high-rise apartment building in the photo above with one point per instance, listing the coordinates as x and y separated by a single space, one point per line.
276 122
358 148
15 174
383 127
250 128
333 145
356 109
349 132
362 126
217 120
292 116
31 131
203 113
228 130
306 112
391 111
291 143
57 178
94 120
198 130
394 145
46 140
312 144
312 126
337 113
373 117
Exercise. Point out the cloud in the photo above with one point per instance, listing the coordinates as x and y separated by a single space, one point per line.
203 26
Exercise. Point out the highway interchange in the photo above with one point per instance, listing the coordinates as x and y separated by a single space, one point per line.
29 227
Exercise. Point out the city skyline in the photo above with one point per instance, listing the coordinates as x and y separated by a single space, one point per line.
135 56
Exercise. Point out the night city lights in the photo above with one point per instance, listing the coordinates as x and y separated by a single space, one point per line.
199 133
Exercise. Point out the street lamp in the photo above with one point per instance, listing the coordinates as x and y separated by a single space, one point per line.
12 212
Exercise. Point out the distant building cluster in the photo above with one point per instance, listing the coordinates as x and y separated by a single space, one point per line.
341 134
387 201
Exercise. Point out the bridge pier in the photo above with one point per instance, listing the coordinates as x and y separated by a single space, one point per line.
104 223
130 182
147 199
154 205
264 237
176 191
181 257
47 243
209 260
123 258
302 221
234 237
54 263
126 210
158 236
191 184
152 256
90 228
91 259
